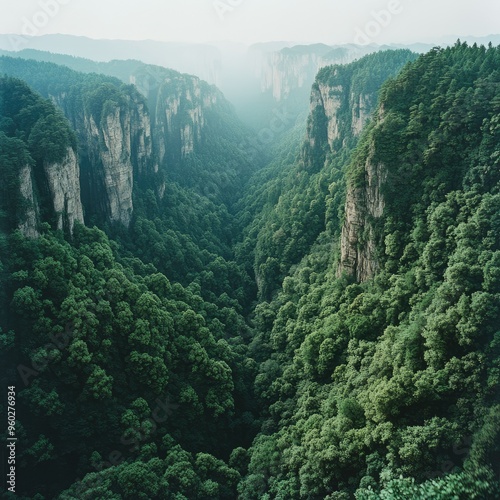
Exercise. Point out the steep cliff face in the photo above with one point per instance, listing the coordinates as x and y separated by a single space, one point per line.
343 100
362 108
364 204
294 68
38 163
58 186
338 114
332 98
29 224
283 72
181 106
132 137
141 140
57 189
114 135
110 144
63 181
116 148
158 128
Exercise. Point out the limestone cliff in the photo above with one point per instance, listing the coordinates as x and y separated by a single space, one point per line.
127 139
364 204
57 189
361 109
63 181
141 140
283 72
331 99
124 141
116 149
181 106
39 166
338 114
111 150
29 224
292 68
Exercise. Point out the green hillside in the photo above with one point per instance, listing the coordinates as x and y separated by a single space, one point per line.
323 327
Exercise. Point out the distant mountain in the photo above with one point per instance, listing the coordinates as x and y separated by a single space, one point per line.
261 81
471 39
198 59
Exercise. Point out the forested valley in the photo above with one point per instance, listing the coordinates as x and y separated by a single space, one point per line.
188 312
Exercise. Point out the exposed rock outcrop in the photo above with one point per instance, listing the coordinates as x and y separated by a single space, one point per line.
284 71
63 181
338 114
289 69
332 99
362 106
115 158
141 140
129 136
343 100
364 204
124 140
116 148
29 224
182 103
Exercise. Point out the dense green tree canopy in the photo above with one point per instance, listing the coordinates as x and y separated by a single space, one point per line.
212 349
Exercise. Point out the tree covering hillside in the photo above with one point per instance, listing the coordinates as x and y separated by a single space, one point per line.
218 348
184 220
289 204
396 376
32 132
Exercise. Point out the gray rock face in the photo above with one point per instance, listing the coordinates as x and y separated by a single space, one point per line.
363 204
141 140
126 144
338 114
125 140
63 180
282 73
29 226
331 99
63 183
285 71
181 106
362 106
116 151
115 157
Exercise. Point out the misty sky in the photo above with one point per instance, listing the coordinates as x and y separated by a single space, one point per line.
249 21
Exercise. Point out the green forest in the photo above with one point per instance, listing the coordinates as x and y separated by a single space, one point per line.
221 345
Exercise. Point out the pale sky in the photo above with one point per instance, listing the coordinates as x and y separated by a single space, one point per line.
250 21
